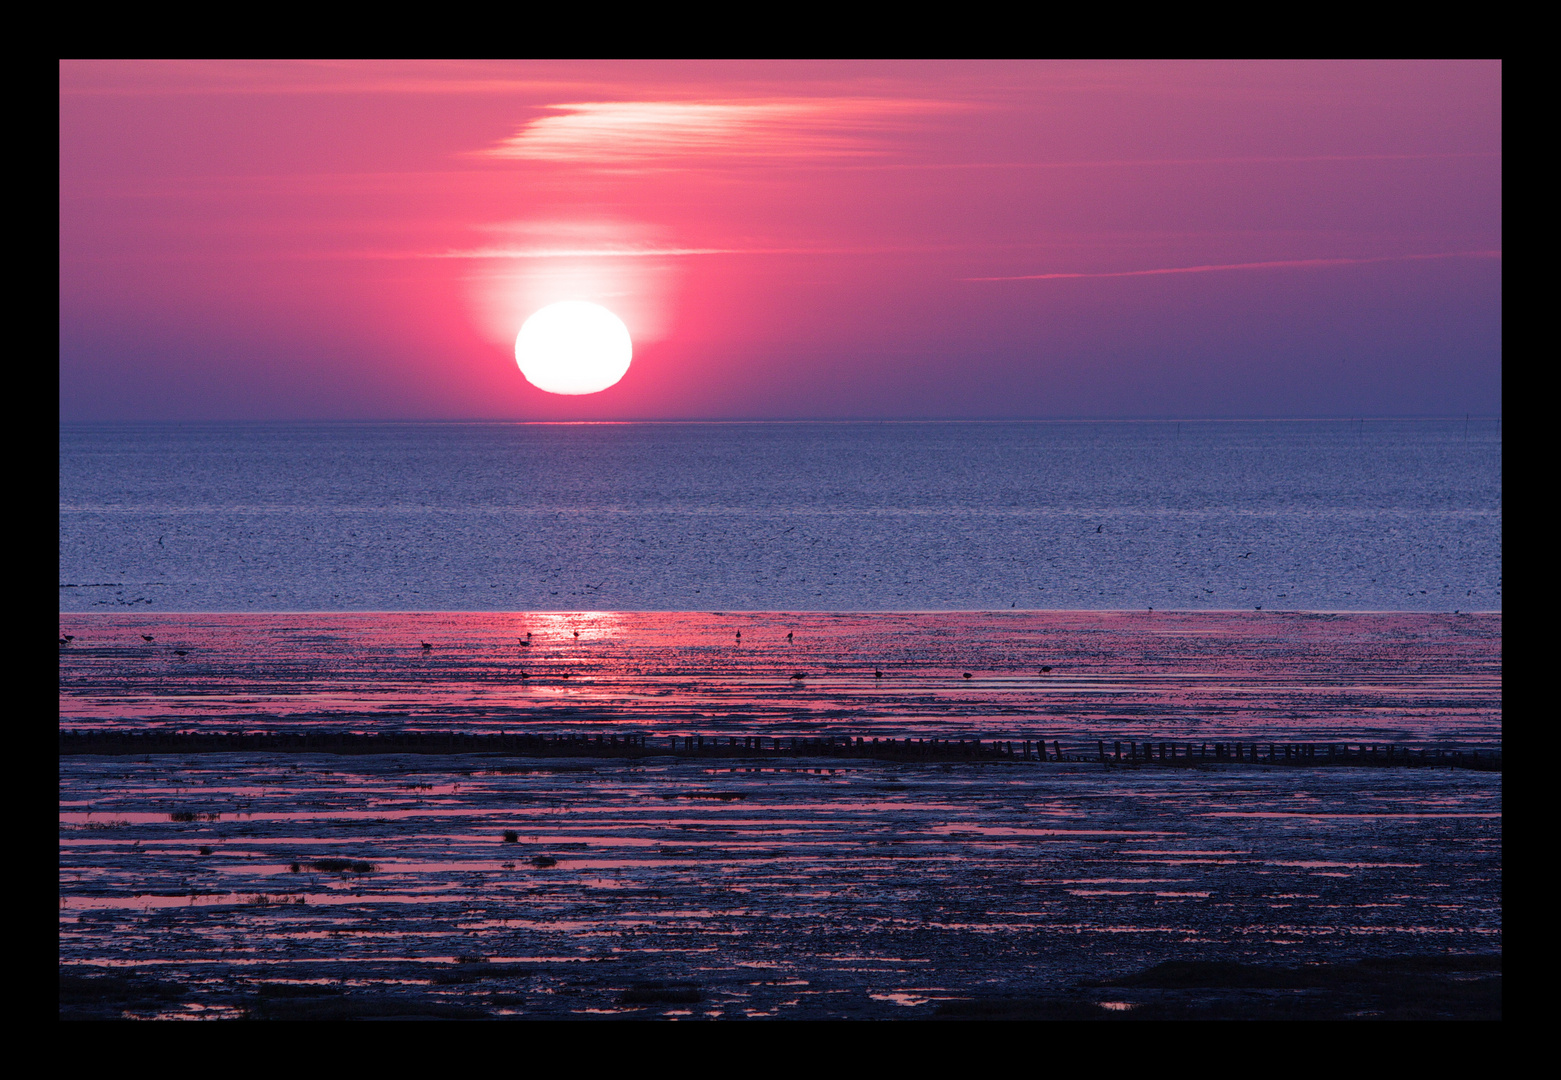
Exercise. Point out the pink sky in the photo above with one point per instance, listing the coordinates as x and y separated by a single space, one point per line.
784 240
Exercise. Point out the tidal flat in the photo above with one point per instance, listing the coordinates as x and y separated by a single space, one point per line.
393 885
319 885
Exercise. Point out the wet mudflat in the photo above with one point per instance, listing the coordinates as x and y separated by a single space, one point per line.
401 885
1413 679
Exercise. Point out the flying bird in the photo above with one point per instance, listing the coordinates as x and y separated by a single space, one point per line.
1243 556
1100 528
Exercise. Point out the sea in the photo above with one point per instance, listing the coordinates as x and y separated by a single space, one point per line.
1325 515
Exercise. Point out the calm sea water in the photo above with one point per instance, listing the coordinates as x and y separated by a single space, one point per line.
1380 515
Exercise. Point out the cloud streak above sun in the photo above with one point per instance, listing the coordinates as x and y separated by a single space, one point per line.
673 133
1279 264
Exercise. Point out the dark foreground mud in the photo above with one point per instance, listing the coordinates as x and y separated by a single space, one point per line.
1395 988
1403 988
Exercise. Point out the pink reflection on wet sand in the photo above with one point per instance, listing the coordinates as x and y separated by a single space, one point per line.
1187 677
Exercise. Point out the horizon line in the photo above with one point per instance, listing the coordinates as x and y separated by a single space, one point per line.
1340 418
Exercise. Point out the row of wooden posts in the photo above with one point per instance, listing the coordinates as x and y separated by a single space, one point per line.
634 744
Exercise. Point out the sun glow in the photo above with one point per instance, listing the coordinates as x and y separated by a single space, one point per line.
573 347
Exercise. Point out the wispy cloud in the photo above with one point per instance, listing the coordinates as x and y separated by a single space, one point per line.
621 133
1278 264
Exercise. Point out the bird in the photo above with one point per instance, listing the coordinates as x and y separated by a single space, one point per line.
800 675
523 675
788 635
147 637
68 637
739 635
1100 528
66 640
1045 669
968 675
1243 556
180 652
577 634
879 674
427 646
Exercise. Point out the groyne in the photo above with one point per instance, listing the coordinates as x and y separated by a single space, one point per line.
1115 753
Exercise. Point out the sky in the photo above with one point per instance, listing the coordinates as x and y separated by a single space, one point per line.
363 240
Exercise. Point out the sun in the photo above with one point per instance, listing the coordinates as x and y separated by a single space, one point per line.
573 347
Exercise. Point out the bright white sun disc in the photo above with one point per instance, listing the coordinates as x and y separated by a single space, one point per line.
573 347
